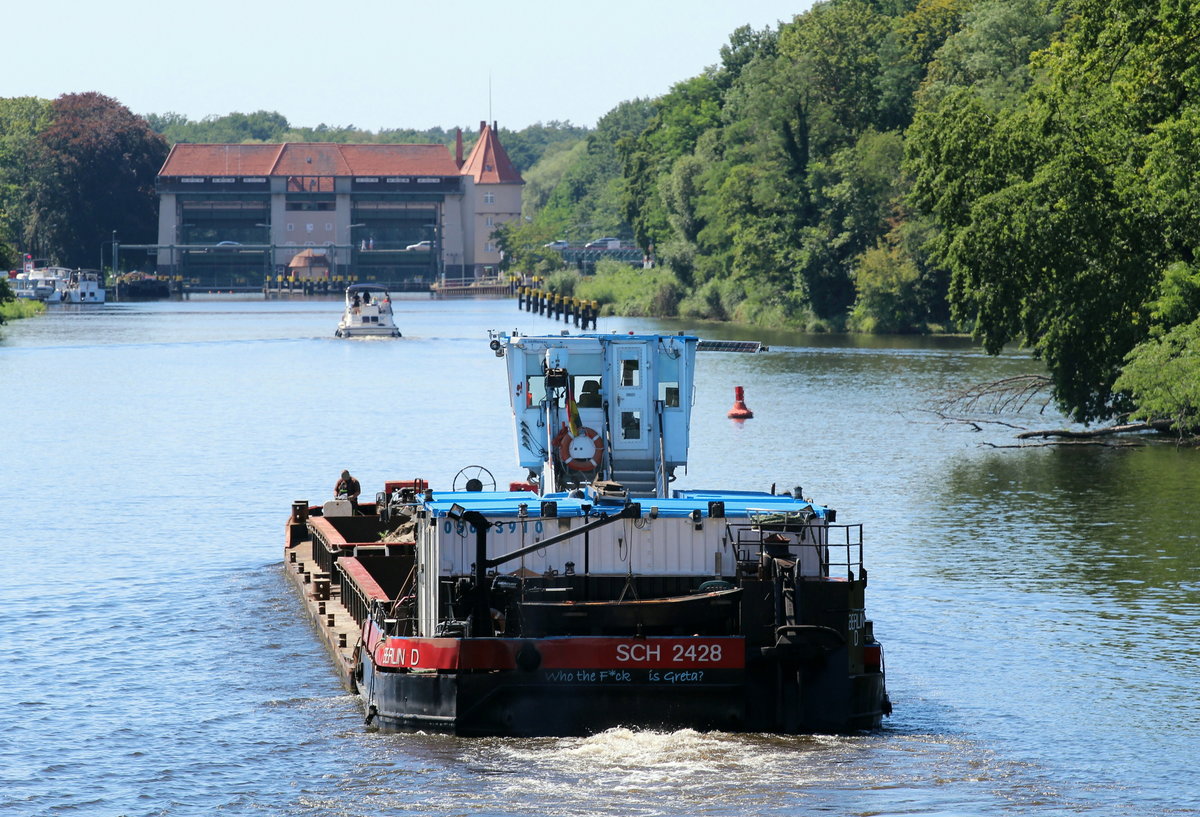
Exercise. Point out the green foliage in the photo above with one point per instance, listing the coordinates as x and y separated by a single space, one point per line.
95 173
561 282
990 53
1178 301
1060 188
21 120
522 244
271 127
744 47
624 290
681 117
839 43
887 286
544 176
1162 377
586 200
762 183
235 128
526 147
15 308
906 53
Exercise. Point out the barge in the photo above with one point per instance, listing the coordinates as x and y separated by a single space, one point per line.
591 594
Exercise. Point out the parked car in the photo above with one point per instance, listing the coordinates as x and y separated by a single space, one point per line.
603 244
420 245
561 244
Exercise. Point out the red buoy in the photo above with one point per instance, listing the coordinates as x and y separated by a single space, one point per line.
739 410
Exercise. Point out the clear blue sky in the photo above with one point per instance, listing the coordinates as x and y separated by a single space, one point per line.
372 63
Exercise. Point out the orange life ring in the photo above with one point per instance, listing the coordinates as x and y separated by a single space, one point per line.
582 452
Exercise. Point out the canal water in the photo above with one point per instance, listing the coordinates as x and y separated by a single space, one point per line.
1040 607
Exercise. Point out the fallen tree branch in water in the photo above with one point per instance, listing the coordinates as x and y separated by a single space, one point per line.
975 423
1092 433
1006 395
1058 443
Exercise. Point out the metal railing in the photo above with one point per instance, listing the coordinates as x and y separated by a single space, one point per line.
839 548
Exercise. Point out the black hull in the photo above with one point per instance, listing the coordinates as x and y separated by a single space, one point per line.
768 697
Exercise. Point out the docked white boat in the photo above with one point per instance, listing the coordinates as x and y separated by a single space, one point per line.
83 286
45 284
368 313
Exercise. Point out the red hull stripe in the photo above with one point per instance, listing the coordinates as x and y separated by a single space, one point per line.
584 652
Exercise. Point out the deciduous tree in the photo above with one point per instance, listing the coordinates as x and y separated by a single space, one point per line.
97 175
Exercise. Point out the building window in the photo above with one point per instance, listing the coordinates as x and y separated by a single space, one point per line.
489 198
489 247
491 222
291 226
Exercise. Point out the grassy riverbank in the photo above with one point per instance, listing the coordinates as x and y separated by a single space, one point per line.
621 289
20 308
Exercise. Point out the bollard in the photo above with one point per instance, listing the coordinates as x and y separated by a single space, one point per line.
321 586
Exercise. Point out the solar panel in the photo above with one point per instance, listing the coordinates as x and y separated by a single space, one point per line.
730 346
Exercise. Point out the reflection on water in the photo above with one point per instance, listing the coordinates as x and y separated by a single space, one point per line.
1039 607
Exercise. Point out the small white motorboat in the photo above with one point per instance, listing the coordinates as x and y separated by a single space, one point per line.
368 313
45 284
83 287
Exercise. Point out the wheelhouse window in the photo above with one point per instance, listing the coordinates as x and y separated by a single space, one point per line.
586 388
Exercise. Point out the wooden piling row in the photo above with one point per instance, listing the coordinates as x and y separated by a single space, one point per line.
558 307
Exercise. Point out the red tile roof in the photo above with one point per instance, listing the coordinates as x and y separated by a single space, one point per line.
415 160
309 159
218 160
488 162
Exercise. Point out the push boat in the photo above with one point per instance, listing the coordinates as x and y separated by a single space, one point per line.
368 313
592 595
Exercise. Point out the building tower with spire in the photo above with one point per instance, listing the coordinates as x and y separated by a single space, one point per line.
492 196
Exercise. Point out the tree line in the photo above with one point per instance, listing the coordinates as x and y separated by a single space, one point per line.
1025 170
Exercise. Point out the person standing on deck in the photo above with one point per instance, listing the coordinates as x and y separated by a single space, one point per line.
349 486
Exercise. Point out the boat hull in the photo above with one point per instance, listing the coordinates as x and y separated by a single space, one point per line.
367 332
516 703
800 693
